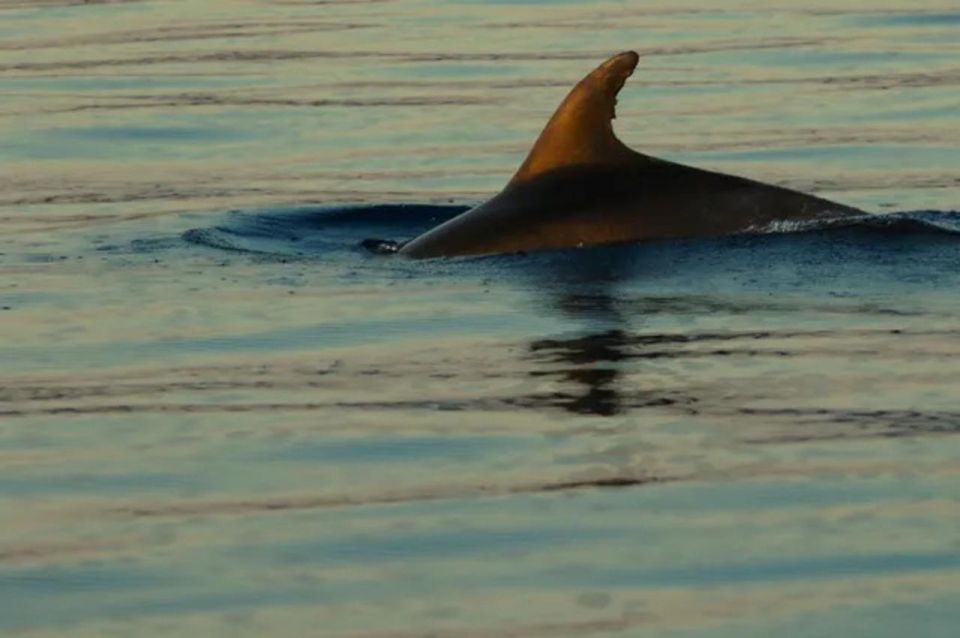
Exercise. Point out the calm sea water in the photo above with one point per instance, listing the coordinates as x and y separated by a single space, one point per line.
218 416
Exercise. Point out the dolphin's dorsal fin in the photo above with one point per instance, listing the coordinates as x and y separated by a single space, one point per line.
580 131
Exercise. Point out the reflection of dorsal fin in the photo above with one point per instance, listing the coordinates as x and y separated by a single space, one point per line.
580 131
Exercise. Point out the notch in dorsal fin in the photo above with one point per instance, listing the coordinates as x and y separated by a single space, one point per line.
580 131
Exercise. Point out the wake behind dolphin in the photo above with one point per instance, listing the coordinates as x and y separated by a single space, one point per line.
581 186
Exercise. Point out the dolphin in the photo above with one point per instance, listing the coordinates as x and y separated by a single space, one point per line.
581 186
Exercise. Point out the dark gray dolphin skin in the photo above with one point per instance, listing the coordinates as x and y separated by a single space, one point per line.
581 186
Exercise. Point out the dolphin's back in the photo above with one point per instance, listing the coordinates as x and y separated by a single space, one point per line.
589 205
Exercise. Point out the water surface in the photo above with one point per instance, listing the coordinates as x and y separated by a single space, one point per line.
220 416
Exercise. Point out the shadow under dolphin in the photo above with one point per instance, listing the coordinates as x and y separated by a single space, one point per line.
591 368
581 186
